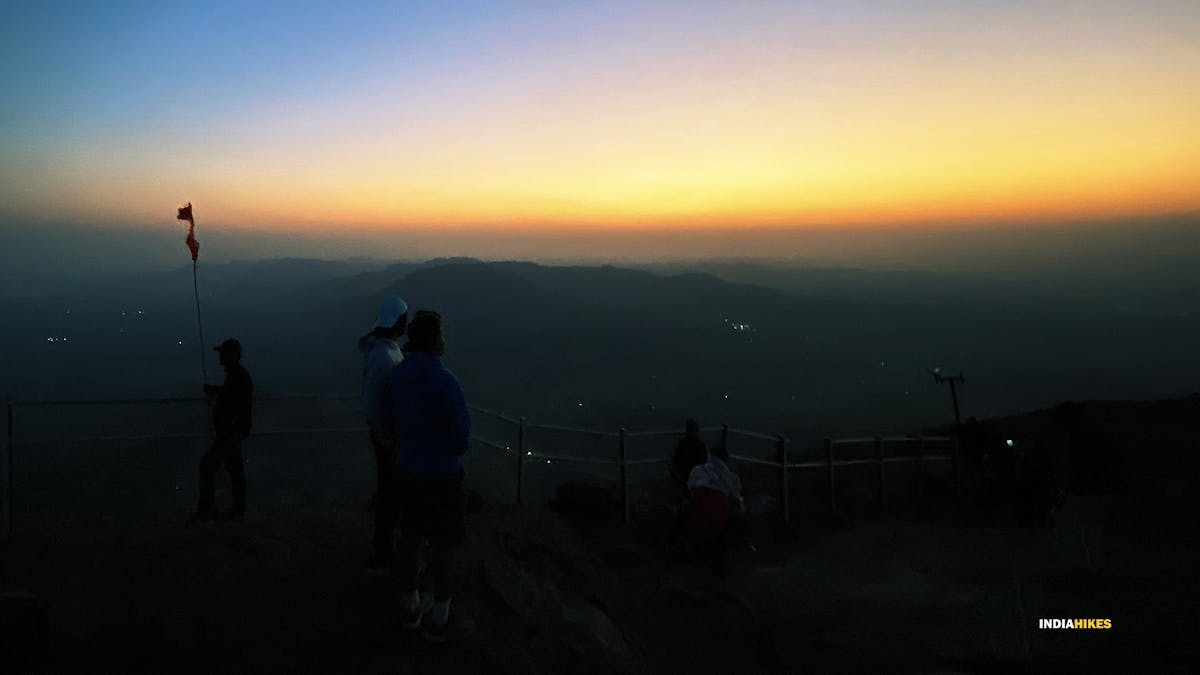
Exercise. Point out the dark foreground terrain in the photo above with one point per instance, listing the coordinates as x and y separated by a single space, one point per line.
940 586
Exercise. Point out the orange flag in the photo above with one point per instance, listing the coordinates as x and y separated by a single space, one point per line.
185 213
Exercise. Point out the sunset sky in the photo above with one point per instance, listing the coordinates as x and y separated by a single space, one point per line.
560 115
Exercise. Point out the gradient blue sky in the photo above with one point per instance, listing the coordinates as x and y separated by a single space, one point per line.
598 115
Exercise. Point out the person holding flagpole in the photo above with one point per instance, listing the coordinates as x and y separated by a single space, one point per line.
231 416
229 403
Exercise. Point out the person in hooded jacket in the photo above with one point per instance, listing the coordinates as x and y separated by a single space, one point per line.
433 429
381 353
716 508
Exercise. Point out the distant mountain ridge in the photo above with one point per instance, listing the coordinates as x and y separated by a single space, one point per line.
602 345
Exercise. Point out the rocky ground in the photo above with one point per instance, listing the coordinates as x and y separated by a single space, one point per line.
935 584
286 591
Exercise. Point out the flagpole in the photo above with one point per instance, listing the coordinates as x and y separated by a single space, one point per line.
199 323
185 213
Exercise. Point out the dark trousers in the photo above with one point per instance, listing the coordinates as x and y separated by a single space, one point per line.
227 451
432 508
386 504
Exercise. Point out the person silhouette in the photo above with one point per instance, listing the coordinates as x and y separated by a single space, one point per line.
381 353
432 426
690 452
716 508
231 418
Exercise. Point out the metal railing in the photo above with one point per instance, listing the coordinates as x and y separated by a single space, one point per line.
523 454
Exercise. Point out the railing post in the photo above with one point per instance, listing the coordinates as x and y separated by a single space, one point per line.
725 437
829 474
882 478
520 457
954 450
781 452
921 466
11 481
624 480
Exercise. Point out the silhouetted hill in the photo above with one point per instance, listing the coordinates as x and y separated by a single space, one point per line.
1111 271
1156 442
474 295
603 346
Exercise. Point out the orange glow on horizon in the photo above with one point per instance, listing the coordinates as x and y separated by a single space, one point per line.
931 121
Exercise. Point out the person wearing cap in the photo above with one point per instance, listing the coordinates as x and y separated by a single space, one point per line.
381 353
231 415
433 430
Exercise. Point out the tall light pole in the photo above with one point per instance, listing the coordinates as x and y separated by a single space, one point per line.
953 381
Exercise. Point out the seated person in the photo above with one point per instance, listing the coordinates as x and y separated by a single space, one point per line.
715 508
716 495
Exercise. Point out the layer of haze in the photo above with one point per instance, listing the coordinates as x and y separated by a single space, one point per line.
563 118
34 256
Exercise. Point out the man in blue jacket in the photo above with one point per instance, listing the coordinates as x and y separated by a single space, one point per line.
432 430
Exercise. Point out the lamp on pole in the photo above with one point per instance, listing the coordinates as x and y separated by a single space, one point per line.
953 381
